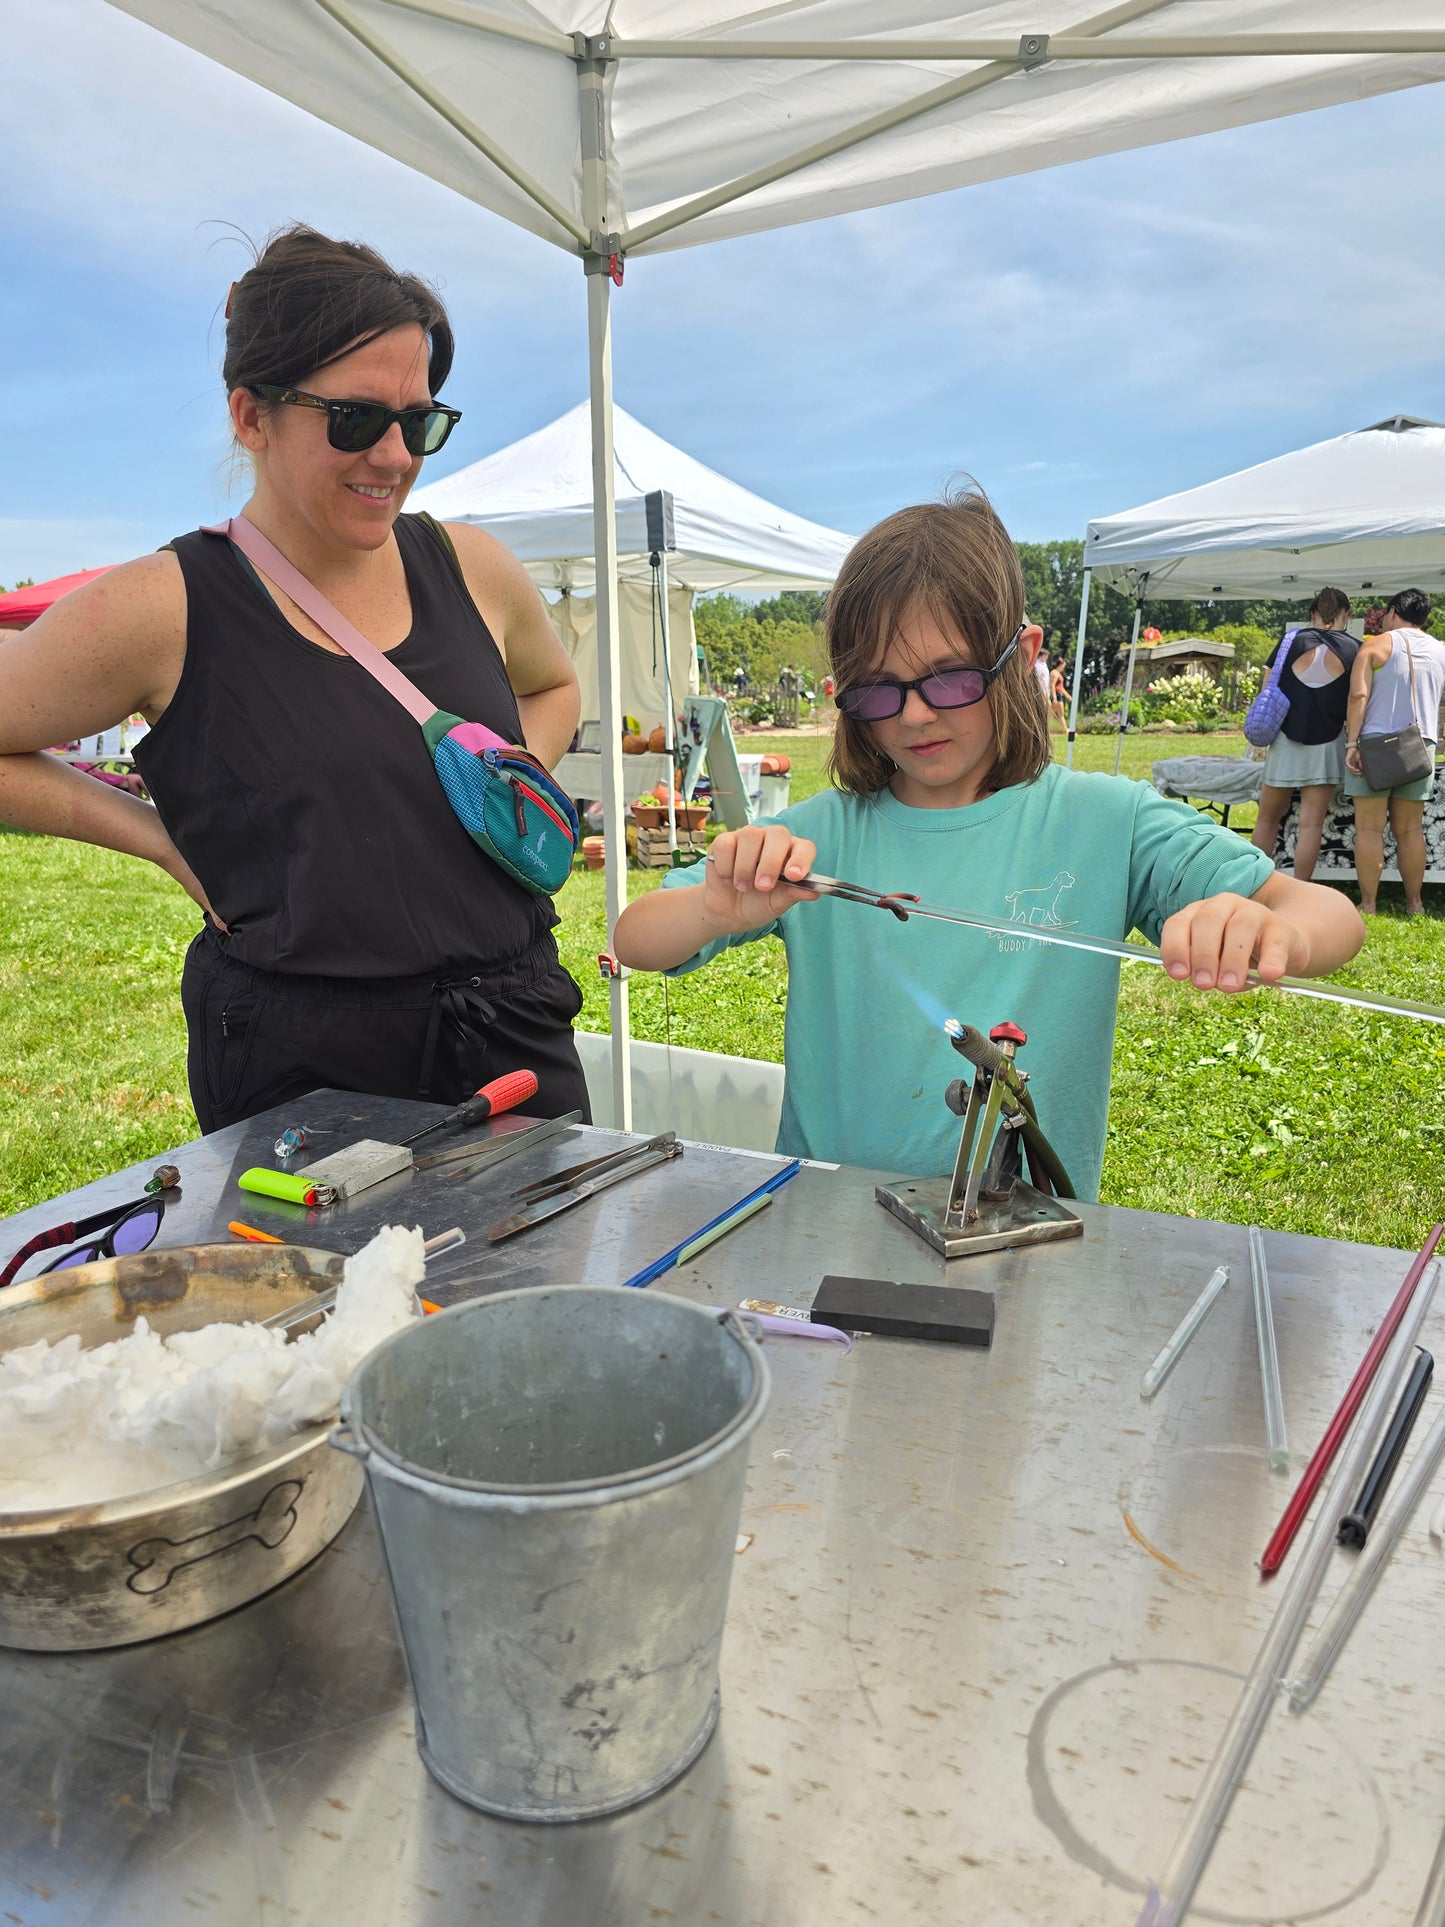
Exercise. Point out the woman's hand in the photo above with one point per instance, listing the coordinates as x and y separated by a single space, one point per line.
754 875
174 864
1216 942
1354 762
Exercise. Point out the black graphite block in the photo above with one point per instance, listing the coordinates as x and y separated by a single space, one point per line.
945 1312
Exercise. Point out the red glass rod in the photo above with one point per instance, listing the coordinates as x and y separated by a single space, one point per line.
1299 1505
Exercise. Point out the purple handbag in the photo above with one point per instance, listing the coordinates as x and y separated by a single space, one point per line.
1270 707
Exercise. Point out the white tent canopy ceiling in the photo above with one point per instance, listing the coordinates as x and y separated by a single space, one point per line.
1362 512
613 127
708 106
536 497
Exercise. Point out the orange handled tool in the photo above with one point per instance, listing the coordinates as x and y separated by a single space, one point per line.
502 1094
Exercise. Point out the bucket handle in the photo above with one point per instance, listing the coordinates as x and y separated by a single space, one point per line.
343 1439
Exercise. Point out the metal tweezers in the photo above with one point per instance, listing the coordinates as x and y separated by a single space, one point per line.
548 1187
639 1158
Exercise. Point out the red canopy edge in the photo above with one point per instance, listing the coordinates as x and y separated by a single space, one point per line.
22 606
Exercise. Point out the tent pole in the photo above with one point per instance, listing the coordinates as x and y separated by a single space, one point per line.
1078 670
609 670
592 114
1129 676
669 719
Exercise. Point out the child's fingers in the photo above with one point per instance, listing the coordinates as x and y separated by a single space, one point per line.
1240 940
1273 948
747 856
720 855
782 858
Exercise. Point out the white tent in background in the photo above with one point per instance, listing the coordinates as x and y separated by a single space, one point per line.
1364 512
614 127
536 497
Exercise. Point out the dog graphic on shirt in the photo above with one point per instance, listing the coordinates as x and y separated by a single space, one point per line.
1039 907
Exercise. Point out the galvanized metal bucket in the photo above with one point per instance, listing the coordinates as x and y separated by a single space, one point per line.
557 1475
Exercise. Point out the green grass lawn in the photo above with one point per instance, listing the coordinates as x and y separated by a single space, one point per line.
1264 1109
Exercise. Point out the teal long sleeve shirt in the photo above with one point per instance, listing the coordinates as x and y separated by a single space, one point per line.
866 1060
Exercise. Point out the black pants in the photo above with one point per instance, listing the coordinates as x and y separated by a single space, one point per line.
259 1037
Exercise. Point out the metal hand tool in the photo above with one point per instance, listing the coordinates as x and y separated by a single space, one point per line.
496 1150
556 1181
537 1213
903 906
502 1094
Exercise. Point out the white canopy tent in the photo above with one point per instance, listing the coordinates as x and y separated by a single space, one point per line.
1364 512
613 127
536 497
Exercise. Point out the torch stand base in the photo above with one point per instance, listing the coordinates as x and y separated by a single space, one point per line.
1029 1217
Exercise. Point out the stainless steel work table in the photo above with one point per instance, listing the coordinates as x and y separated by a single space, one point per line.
957 1688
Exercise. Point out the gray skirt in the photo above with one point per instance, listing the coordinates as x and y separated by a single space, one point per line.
1294 766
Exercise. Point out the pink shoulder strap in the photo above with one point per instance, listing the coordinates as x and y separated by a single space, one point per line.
260 550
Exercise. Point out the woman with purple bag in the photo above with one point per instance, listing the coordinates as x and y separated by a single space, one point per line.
1311 669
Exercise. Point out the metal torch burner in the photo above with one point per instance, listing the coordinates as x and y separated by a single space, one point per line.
988 1203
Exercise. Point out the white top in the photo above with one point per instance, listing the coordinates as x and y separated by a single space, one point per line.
1389 707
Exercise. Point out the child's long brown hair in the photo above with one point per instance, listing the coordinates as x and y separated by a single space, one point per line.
953 558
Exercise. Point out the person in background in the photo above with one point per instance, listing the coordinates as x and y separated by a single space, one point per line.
1308 754
1398 678
1041 671
1058 694
352 934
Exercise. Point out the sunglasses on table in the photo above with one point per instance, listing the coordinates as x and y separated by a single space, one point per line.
128 1228
876 702
354 425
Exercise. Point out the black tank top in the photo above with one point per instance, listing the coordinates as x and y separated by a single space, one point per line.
1316 715
303 795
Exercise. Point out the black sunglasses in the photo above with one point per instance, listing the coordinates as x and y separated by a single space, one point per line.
354 425
876 702
131 1228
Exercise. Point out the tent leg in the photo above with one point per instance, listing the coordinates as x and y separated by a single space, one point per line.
609 670
669 720
1078 671
1128 681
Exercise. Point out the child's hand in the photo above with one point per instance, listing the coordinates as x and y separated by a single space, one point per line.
753 874
1215 942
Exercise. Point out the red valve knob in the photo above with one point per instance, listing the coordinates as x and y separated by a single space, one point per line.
1008 1034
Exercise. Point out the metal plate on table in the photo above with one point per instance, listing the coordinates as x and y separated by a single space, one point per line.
77 1577
1028 1217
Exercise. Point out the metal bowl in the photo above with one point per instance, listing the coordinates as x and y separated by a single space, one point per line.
78 1577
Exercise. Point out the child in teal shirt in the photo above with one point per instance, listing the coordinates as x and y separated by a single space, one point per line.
945 789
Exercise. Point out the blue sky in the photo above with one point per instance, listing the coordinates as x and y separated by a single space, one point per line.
1081 340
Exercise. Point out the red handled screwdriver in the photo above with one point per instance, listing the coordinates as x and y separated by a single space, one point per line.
502 1094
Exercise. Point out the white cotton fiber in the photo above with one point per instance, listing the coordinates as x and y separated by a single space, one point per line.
80 1427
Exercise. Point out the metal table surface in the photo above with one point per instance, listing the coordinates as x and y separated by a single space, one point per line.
988 1615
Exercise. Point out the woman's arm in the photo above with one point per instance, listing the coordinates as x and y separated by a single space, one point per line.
745 886
1285 928
538 667
1372 652
100 654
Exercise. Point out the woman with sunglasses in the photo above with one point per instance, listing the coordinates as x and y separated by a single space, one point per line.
354 936
943 787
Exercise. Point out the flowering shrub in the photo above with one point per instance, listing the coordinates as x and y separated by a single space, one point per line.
1193 697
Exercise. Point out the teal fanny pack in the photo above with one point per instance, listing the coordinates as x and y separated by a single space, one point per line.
506 801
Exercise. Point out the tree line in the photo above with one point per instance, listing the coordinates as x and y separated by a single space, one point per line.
761 637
